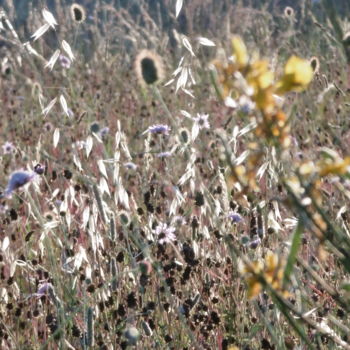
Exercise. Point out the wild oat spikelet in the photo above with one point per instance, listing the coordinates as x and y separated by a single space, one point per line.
346 39
315 64
148 67
288 12
78 13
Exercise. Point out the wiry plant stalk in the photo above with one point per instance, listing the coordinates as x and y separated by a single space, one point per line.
90 327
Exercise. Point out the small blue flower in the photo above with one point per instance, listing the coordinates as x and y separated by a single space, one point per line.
39 169
255 242
235 217
104 131
130 166
8 148
163 154
65 61
17 180
159 129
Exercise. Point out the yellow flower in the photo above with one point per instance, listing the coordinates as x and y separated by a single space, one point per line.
224 74
272 270
337 167
307 168
259 75
239 51
264 100
297 75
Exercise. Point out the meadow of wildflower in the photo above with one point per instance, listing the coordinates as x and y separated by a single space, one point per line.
175 174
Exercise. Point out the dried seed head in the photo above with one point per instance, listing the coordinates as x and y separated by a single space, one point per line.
148 68
288 12
78 13
315 64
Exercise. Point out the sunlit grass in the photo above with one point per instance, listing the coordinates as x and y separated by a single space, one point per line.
198 201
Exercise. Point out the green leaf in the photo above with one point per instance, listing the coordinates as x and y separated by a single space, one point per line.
293 252
345 286
297 325
254 330
346 263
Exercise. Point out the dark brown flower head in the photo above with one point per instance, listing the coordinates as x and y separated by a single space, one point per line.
315 64
288 12
148 67
78 13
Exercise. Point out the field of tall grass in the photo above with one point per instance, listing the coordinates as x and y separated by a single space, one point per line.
175 175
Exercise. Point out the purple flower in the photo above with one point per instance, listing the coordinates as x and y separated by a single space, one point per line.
65 61
235 217
104 131
255 242
17 180
159 129
43 289
178 220
48 127
165 233
8 148
130 166
39 169
163 154
202 121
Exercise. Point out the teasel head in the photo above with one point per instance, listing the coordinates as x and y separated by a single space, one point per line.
149 68
78 13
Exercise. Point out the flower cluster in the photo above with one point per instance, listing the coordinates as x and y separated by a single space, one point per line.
251 77
269 271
